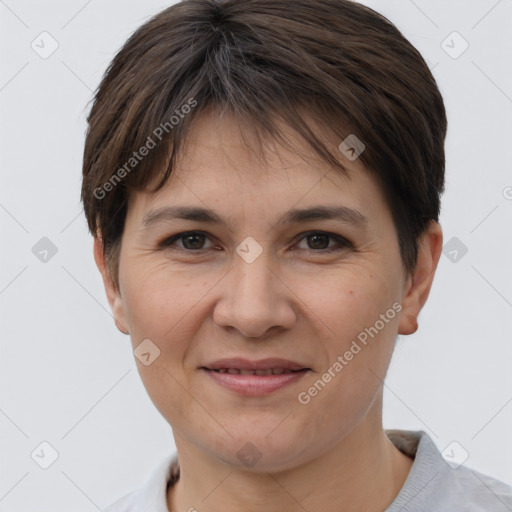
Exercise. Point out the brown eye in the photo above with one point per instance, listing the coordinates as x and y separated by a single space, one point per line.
319 241
189 241
193 241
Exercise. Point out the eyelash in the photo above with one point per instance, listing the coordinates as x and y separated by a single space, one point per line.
342 242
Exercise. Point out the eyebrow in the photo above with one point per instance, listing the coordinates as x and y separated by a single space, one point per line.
295 216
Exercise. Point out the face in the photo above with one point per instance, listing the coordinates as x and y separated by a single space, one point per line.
325 291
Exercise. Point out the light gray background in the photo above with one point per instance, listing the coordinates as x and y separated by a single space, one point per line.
68 377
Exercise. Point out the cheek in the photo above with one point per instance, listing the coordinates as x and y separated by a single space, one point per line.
357 318
158 302
349 300
161 307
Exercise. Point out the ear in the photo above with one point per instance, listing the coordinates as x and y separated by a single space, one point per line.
113 294
418 283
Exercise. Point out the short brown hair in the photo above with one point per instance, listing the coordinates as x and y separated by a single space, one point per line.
335 61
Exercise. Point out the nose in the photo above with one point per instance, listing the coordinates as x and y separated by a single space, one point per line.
254 299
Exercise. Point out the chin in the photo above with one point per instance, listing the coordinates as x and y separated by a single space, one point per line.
258 453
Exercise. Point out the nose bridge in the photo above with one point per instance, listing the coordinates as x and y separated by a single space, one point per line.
253 301
253 279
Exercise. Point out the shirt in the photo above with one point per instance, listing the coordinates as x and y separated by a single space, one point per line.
433 484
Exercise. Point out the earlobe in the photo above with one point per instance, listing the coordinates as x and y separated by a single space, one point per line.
113 295
419 283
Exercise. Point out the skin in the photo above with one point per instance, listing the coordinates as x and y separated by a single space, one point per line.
199 301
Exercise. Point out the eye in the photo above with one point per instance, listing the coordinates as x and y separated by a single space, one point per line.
318 241
190 241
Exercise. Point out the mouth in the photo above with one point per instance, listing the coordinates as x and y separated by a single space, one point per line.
252 378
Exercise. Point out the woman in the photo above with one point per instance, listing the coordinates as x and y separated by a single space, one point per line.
263 181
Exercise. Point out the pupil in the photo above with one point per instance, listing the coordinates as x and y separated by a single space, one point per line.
316 238
193 238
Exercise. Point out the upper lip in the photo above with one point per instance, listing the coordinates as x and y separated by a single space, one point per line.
261 364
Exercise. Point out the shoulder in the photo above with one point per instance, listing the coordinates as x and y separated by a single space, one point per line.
436 484
127 503
152 495
475 491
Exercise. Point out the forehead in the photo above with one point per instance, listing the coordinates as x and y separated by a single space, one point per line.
236 145
223 164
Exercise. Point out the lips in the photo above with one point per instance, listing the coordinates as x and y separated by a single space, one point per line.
255 378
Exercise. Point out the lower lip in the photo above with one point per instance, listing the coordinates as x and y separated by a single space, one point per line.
254 385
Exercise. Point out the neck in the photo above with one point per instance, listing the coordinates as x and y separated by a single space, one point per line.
363 472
